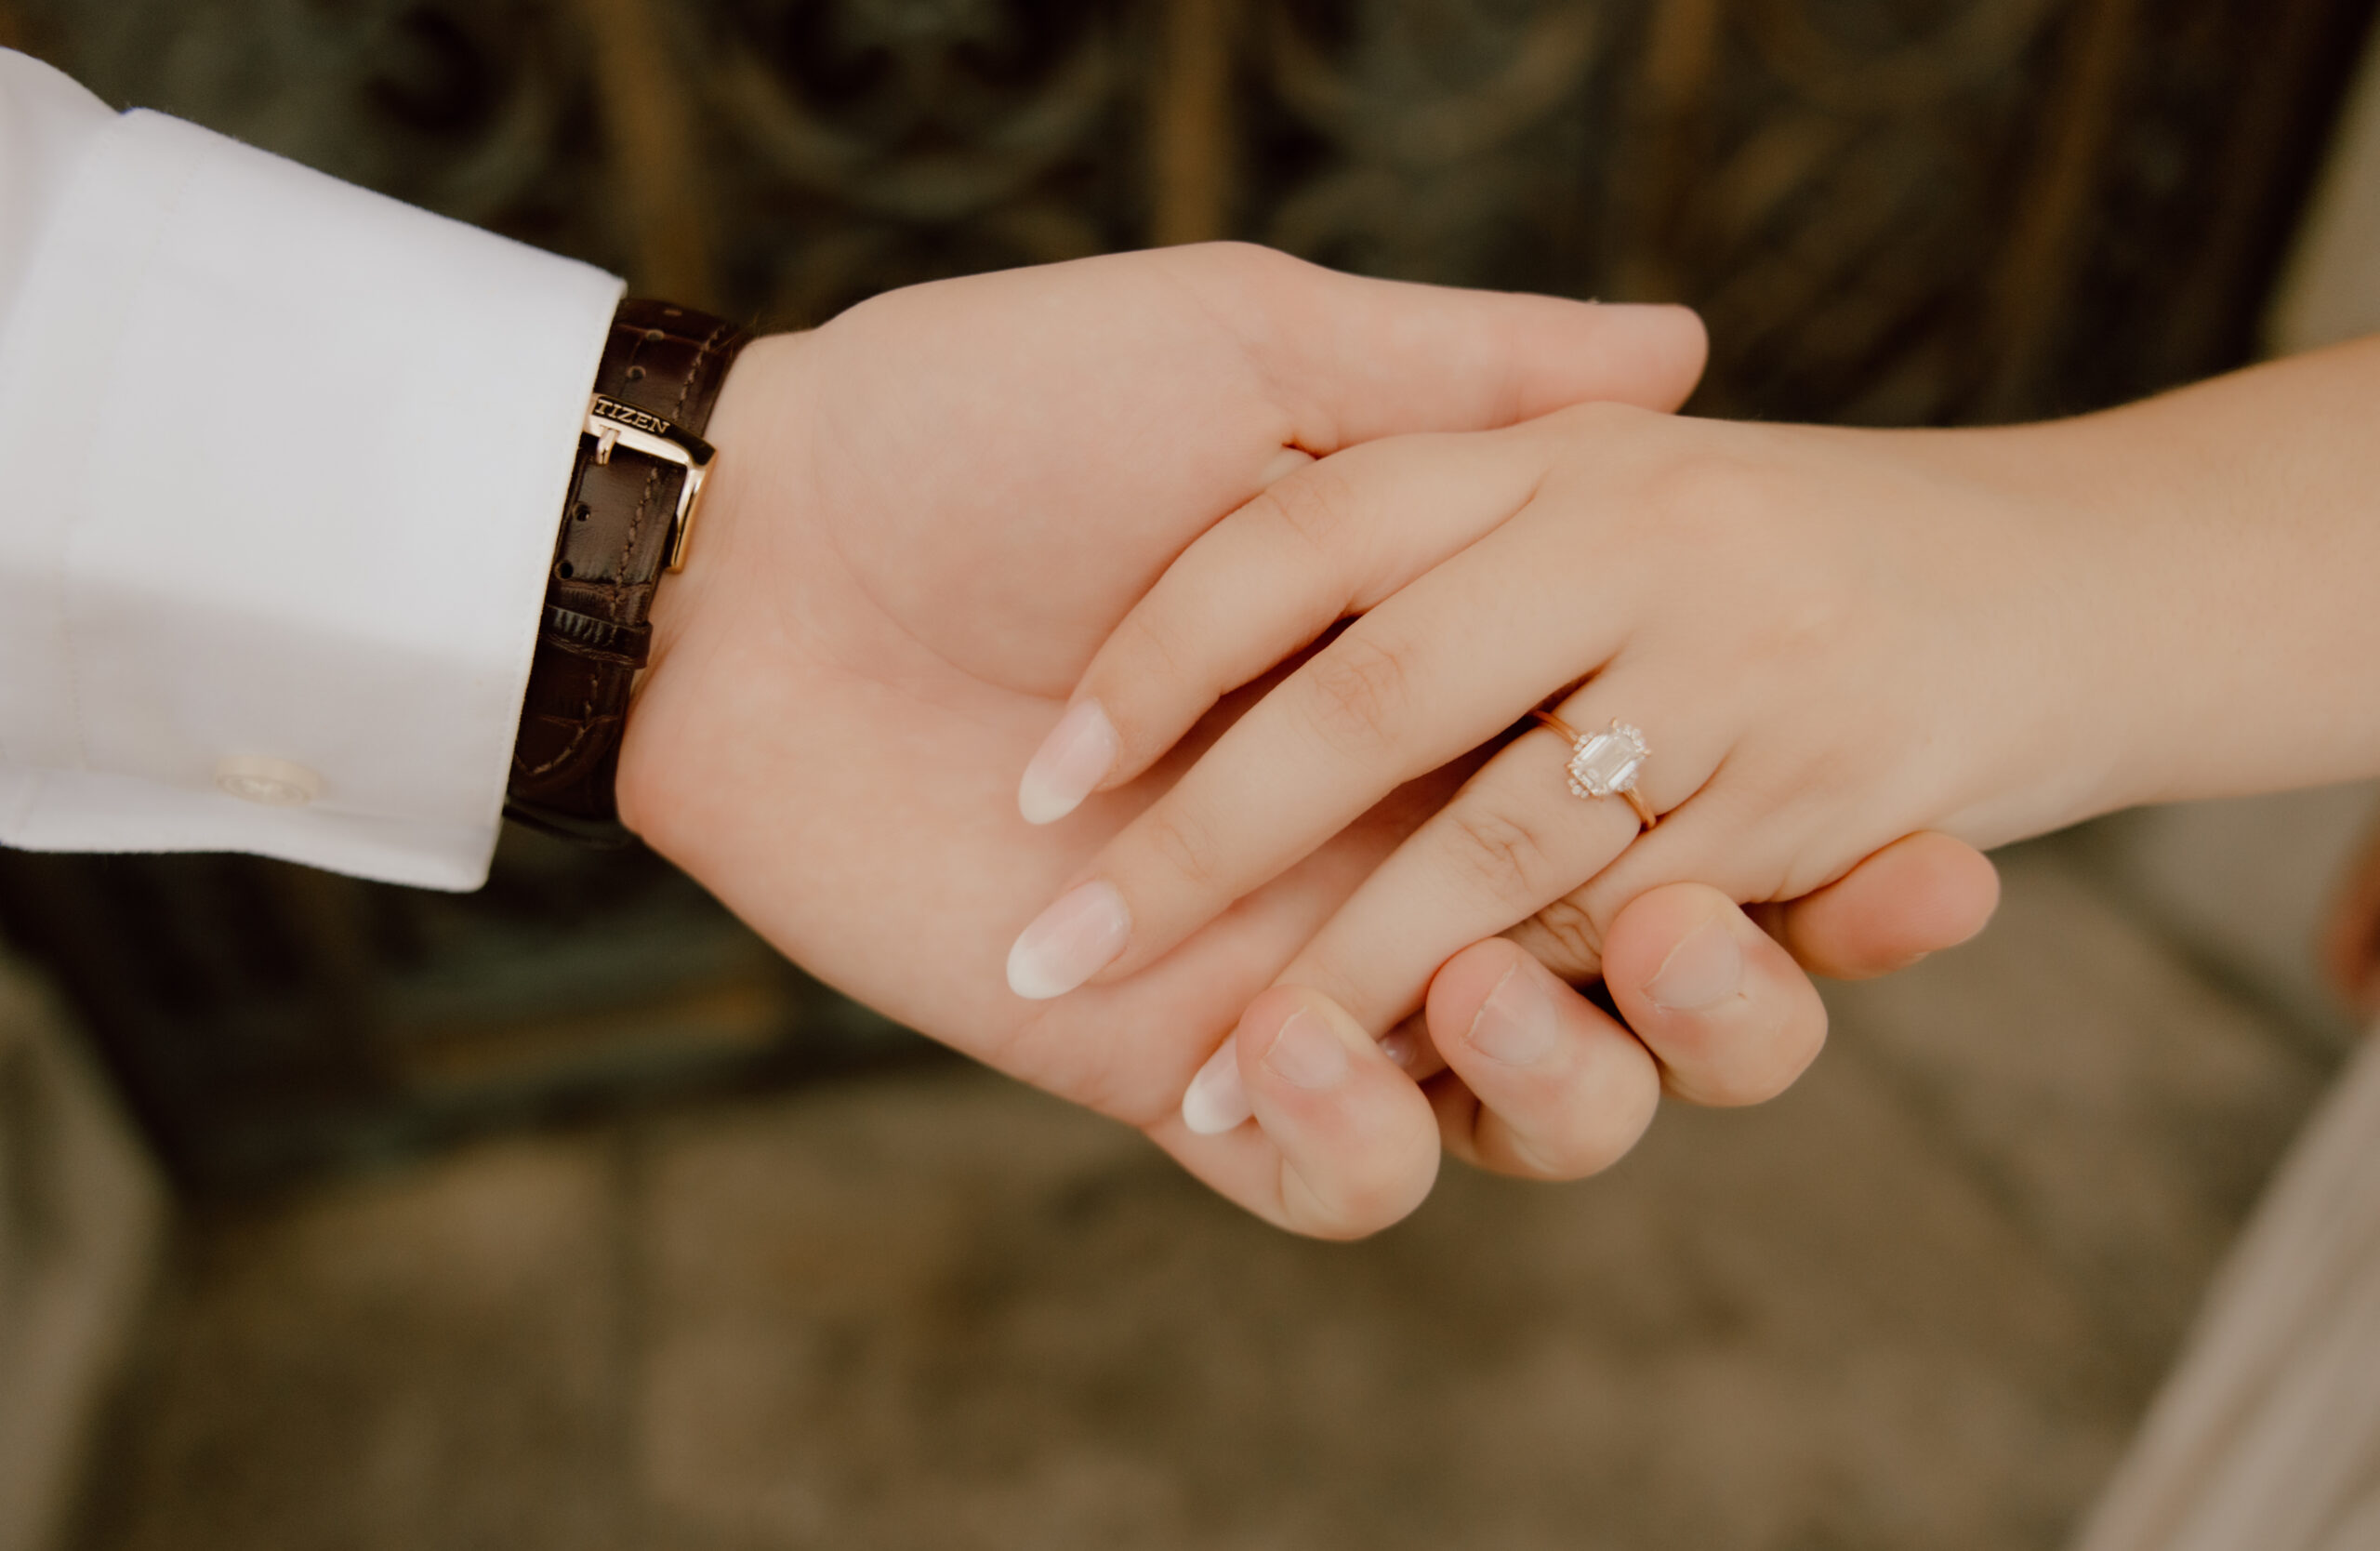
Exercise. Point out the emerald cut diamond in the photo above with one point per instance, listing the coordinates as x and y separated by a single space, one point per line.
1608 761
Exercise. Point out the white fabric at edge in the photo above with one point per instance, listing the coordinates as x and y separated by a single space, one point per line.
285 463
2268 1434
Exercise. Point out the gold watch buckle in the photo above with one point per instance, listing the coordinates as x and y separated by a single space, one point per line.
613 424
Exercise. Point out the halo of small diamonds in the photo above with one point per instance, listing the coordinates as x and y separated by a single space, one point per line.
1606 763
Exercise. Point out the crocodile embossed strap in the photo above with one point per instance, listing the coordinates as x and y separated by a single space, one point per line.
634 494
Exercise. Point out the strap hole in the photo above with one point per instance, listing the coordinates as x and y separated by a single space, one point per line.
565 570
671 313
654 335
636 374
578 513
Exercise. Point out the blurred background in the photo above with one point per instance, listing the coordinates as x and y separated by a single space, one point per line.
567 1214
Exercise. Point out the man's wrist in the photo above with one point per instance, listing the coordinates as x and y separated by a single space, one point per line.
743 426
759 402
635 500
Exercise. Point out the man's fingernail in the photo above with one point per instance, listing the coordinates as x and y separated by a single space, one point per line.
1217 1100
1069 942
1306 1053
1517 1025
1701 972
1075 758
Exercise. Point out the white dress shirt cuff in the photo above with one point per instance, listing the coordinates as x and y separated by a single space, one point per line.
286 461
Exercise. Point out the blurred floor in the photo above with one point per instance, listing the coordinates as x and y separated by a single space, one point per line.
1917 1303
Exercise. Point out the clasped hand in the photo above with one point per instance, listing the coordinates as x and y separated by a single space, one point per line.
960 514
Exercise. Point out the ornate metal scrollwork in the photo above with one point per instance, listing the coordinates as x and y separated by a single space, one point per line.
1888 210
1441 120
901 125
470 109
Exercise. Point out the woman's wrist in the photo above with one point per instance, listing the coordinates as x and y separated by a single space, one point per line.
2095 616
2228 552
2045 677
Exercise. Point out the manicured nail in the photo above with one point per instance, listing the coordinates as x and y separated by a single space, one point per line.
1401 1048
1075 756
1517 1025
1217 1100
1306 1053
1701 972
1069 942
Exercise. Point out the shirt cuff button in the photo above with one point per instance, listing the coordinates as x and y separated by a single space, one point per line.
273 783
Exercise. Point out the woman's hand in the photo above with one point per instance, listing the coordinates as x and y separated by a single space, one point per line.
1831 640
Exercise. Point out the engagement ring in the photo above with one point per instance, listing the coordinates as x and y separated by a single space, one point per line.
1606 763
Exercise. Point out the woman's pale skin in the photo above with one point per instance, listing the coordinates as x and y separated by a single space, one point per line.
1831 639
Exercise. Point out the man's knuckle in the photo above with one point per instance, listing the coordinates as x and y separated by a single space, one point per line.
1570 936
1504 853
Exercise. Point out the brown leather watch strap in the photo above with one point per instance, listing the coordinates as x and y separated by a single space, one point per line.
620 529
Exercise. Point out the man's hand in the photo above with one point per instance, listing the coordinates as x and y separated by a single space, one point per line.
928 514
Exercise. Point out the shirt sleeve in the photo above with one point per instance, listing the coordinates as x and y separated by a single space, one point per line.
284 461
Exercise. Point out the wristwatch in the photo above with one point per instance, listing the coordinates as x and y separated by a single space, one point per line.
635 493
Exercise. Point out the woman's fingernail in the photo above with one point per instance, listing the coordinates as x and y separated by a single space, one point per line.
1517 1025
1218 1099
1069 942
1701 972
1306 1053
1075 758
